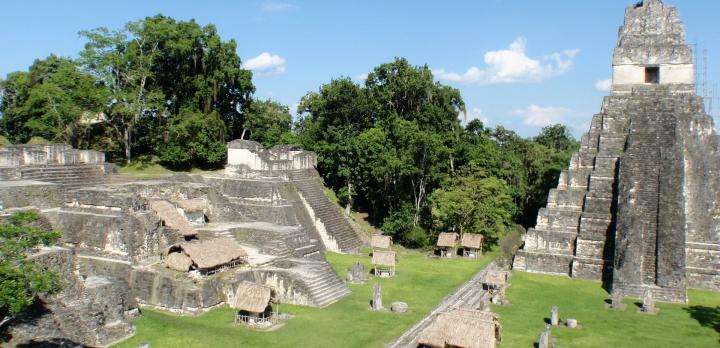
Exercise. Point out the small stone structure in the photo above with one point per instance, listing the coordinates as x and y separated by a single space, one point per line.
495 283
545 340
53 163
207 257
253 302
466 328
572 323
249 158
380 242
616 299
376 303
357 273
471 244
648 305
399 307
639 205
446 244
554 316
171 218
384 263
194 210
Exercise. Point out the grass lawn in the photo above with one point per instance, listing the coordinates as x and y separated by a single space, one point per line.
151 170
421 282
531 297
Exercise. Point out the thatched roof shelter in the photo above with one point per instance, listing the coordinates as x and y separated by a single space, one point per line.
496 278
178 261
193 205
464 328
471 240
211 253
251 297
171 217
383 258
378 241
447 239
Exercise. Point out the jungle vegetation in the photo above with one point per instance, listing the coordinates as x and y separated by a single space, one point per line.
395 146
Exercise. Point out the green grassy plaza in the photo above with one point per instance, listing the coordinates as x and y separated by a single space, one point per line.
422 282
531 296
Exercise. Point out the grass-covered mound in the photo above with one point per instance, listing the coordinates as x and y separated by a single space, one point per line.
531 296
421 282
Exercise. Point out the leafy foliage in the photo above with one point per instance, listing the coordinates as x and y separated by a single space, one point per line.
48 101
141 90
21 279
392 143
392 146
269 123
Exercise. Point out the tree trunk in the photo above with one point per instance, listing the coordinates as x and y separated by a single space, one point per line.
419 196
126 140
348 205
242 136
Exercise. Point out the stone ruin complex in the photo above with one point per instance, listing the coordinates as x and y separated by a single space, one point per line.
639 205
182 243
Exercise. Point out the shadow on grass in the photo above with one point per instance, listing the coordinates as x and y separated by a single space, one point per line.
706 316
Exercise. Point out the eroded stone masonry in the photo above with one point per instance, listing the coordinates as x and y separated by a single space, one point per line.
638 205
127 243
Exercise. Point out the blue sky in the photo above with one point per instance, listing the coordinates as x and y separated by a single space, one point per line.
557 50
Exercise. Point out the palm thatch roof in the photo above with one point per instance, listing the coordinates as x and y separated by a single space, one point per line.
193 205
213 252
178 261
380 242
447 239
496 278
466 328
472 240
251 297
171 217
383 258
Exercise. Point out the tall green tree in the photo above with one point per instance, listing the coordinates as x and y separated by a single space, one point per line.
50 101
124 61
473 202
267 122
22 279
157 67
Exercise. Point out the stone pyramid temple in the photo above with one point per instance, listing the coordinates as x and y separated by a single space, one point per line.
638 206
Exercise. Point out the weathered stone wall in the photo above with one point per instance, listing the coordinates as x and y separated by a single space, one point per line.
133 235
20 194
639 203
650 233
93 311
249 159
33 155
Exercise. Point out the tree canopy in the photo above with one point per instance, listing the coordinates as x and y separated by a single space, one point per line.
145 89
393 145
22 279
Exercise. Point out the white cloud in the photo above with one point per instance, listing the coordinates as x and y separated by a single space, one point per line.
603 85
360 77
473 114
512 65
535 115
272 6
266 64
